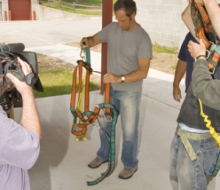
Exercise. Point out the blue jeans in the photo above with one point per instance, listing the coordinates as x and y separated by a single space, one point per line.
127 104
191 175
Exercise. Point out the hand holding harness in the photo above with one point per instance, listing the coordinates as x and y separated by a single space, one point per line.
82 116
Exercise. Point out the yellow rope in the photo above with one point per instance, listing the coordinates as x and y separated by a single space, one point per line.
208 125
82 95
80 108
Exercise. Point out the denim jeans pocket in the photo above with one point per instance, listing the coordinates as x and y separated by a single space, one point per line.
210 156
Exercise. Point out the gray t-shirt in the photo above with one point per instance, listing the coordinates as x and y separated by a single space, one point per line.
19 150
124 50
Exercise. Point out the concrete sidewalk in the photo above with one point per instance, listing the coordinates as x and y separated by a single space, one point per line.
62 163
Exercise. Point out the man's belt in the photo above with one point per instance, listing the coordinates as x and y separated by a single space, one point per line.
185 135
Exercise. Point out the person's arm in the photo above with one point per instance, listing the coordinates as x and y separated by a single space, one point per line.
187 19
213 10
91 41
139 74
29 118
179 73
203 86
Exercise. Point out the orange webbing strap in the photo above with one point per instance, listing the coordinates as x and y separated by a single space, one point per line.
204 29
73 93
201 35
79 68
86 104
85 116
79 129
205 18
201 22
107 101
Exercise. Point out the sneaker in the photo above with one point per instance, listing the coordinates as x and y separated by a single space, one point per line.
127 173
96 163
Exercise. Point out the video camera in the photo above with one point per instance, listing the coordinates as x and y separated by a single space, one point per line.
9 64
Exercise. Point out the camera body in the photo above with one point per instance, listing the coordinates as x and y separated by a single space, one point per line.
9 64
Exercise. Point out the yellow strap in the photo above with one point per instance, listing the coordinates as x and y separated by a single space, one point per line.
208 125
81 98
188 147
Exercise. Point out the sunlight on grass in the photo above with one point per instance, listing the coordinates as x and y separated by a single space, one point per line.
173 66
164 49
57 83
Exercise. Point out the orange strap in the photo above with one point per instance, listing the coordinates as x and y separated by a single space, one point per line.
204 24
82 126
107 100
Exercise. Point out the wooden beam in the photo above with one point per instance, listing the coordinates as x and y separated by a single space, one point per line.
107 6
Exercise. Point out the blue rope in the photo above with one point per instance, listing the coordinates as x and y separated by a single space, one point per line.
88 57
111 155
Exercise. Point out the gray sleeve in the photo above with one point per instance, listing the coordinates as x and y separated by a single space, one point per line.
145 48
18 146
103 34
204 87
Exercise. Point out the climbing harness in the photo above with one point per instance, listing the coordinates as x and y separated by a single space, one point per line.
204 30
82 116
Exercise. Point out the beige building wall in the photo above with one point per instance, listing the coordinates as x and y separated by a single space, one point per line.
162 20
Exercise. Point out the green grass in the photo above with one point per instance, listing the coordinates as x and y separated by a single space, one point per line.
164 49
57 82
90 2
173 66
67 5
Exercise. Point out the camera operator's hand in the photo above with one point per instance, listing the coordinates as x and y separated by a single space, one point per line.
196 49
22 87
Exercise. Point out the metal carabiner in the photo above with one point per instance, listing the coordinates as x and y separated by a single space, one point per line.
83 51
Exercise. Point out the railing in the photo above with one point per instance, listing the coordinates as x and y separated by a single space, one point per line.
70 7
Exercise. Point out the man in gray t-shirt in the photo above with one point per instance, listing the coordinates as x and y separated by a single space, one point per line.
19 143
128 61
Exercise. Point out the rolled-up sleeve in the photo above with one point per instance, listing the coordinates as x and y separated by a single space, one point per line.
18 146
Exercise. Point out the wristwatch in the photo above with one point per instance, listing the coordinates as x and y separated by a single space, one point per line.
122 79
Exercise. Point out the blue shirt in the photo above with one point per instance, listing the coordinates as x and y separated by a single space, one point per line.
184 55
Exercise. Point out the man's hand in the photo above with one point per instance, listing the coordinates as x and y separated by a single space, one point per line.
177 94
85 42
110 78
196 49
22 87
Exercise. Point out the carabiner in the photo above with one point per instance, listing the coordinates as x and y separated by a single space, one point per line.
83 51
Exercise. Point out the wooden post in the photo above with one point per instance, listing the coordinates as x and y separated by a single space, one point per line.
106 19
34 15
9 15
5 16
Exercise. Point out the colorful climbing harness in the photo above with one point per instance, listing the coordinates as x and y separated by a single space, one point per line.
82 116
204 30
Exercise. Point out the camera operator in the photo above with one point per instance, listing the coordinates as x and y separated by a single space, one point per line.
19 143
